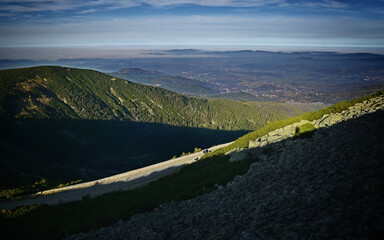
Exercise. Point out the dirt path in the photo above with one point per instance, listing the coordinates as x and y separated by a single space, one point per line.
123 181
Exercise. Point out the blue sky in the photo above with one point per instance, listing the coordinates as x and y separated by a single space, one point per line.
112 23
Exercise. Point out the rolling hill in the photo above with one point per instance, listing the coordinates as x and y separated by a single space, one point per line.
174 83
69 93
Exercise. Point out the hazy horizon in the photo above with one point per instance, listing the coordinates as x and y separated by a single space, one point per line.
42 29
57 53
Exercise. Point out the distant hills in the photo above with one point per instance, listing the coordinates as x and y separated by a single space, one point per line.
64 124
177 84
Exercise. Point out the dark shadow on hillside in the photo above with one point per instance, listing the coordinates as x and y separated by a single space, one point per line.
63 150
329 184
329 190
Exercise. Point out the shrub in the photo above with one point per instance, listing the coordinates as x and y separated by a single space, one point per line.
197 150
305 131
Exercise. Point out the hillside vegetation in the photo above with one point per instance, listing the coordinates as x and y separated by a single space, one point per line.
65 124
69 93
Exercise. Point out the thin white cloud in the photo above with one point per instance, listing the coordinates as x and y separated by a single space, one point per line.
333 4
60 5
217 3
100 5
329 4
91 10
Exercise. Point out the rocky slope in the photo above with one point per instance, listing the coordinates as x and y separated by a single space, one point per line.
327 186
327 120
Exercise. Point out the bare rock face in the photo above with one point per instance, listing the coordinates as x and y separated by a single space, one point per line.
359 109
329 186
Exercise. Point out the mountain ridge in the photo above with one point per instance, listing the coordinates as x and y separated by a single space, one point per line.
177 84
59 92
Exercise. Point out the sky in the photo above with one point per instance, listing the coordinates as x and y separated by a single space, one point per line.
192 23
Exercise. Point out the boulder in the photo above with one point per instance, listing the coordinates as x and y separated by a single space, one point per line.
331 120
254 144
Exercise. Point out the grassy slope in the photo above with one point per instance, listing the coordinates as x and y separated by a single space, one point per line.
198 178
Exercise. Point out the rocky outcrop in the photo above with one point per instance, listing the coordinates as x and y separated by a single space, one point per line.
277 135
329 186
359 109
327 120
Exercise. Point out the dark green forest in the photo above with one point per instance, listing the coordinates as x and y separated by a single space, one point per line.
174 83
69 93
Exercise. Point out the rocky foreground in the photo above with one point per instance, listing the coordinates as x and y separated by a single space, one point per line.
328 186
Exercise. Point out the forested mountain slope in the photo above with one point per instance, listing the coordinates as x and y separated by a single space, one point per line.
68 93
64 124
174 83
